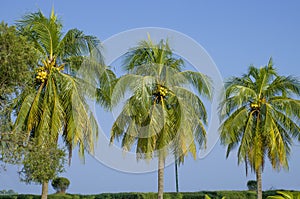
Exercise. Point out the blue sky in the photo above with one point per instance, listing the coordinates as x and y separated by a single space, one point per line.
234 33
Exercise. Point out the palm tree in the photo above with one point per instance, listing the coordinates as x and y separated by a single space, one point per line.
162 115
56 104
259 116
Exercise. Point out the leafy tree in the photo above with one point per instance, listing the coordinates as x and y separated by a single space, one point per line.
57 103
60 184
162 115
259 116
9 192
17 59
42 163
252 185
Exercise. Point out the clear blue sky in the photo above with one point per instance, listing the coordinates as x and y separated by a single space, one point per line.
234 33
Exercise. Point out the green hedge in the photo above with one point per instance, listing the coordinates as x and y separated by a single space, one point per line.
183 195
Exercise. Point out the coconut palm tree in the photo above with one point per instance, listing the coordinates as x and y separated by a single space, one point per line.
260 116
162 115
56 104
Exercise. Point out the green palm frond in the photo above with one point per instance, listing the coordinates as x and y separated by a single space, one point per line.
149 53
200 81
132 83
80 129
107 85
45 32
284 195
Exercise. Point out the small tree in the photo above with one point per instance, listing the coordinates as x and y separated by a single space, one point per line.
42 163
60 184
252 185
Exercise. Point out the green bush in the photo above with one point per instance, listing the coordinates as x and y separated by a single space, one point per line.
252 185
60 184
173 196
8 197
61 196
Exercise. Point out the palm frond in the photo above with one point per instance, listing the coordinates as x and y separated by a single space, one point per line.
201 82
45 32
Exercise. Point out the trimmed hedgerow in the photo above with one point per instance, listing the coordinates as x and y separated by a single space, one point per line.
183 195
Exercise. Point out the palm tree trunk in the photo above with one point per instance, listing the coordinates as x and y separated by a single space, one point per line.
44 190
161 165
176 175
259 183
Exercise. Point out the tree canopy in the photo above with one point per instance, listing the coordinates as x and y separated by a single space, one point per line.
60 184
17 60
42 163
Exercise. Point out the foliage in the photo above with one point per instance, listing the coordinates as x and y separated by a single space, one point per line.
252 185
60 184
42 163
17 58
285 195
8 192
13 146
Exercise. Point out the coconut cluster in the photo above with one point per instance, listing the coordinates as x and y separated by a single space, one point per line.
160 93
41 74
257 105
254 106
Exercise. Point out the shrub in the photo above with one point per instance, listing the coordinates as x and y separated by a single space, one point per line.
60 184
252 185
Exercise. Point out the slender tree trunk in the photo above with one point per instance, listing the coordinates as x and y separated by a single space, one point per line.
259 183
161 165
176 175
44 190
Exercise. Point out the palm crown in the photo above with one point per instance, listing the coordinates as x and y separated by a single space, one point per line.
162 112
57 101
260 115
